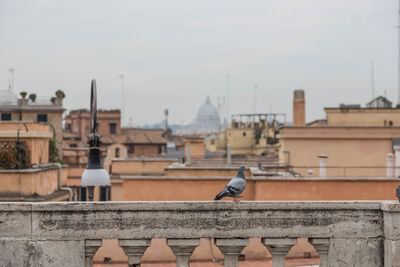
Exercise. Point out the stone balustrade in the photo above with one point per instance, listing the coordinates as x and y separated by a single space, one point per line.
69 233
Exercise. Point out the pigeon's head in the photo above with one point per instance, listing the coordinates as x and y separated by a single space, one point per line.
241 172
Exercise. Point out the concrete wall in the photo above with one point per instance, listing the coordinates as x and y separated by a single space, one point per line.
360 234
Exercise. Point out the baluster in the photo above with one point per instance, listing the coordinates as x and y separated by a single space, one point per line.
278 247
91 246
183 249
134 249
321 245
231 248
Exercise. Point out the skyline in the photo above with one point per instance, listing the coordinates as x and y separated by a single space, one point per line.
169 52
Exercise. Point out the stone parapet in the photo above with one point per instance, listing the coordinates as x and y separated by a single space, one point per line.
348 233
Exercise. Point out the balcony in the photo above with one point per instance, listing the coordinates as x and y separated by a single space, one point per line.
351 233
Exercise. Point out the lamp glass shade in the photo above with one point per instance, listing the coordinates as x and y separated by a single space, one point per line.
93 177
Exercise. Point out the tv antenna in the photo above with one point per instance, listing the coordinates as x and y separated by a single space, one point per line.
121 76
255 98
372 80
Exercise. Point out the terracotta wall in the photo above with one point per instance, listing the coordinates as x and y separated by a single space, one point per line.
29 182
150 150
203 172
39 149
53 118
36 138
138 167
272 189
197 148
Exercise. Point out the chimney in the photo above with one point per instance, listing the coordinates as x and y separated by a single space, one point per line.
299 108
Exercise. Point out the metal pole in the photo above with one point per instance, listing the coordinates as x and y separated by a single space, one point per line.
372 80
228 155
398 61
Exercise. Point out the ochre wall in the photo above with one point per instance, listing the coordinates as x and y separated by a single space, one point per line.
203 172
197 148
180 189
345 147
150 150
275 189
42 182
362 117
139 167
36 138
351 152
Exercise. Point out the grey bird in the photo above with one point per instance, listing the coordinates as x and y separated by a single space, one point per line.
235 186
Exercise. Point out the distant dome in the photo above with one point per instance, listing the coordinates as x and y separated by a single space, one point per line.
207 119
208 112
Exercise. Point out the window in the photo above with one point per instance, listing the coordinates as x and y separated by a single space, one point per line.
73 145
113 128
390 123
42 117
5 116
117 152
68 127
131 149
244 133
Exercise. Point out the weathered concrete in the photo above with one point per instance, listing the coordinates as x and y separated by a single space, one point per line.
391 215
348 233
41 253
367 252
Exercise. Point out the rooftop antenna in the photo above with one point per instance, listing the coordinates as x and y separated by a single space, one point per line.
372 80
227 95
255 98
398 62
10 83
121 76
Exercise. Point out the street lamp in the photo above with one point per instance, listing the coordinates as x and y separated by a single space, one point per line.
94 174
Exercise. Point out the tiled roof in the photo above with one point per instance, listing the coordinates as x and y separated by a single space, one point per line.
136 136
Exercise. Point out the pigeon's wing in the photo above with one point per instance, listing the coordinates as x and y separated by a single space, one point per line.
236 186
233 189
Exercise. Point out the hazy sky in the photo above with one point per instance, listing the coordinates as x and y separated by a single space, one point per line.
174 53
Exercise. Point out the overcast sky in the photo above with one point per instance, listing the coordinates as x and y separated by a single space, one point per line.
174 53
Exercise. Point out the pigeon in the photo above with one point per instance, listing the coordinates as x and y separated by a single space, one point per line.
235 186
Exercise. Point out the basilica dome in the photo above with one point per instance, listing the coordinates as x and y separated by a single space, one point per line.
207 119
208 113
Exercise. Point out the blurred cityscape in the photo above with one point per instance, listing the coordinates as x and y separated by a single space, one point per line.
326 187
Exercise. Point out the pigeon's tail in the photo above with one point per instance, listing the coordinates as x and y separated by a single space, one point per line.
219 196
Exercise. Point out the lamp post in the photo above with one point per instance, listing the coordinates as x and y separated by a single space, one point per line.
94 174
